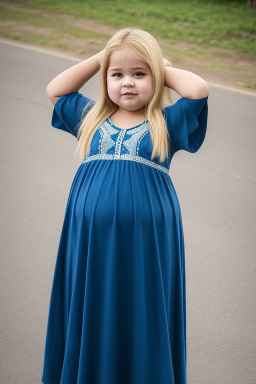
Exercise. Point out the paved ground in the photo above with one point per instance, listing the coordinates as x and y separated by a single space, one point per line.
216 187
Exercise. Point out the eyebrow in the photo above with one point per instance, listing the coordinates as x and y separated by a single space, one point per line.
136 68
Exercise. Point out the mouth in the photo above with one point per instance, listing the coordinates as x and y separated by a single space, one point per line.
129 94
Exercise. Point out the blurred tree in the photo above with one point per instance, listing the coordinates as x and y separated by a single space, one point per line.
250 3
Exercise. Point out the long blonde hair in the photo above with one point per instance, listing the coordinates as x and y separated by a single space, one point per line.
146 48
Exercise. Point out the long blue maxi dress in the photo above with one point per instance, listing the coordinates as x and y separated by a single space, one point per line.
117 312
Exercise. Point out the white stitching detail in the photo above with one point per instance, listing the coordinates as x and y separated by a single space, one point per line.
126 157
106 142
119 142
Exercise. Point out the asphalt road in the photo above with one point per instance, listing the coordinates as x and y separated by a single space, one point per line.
217 192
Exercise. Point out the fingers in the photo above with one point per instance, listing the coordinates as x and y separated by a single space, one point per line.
167 63
100 56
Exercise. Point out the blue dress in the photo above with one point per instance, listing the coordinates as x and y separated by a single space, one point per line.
117 312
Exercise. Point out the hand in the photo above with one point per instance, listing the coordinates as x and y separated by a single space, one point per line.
167 63
100 56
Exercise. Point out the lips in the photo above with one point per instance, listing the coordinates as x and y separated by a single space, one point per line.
129 94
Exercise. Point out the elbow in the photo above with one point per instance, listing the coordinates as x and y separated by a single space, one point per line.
203 90
48 91
50 94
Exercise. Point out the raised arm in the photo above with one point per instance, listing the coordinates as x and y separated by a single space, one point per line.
72 79
185 83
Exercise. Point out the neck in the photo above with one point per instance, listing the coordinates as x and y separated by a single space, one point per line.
132 115
126 119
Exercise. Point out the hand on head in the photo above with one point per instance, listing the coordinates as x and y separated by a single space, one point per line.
100 56
167 63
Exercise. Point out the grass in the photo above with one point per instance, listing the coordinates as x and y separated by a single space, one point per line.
79 32
214 23
37 40
195 35
24 15
52 32
248 86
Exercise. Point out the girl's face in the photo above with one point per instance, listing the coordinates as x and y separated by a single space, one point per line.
129 80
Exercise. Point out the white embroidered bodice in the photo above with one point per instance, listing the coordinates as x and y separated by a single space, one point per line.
134 144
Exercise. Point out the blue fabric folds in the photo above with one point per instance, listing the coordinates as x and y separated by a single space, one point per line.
117 312
187 122
68 112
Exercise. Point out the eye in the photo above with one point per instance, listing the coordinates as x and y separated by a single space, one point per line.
139 74
117 74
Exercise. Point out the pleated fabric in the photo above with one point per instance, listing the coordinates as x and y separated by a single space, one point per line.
117 312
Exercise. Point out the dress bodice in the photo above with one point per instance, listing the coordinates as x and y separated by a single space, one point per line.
111 142
186 122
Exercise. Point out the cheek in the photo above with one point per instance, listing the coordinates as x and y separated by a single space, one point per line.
148 89
112 88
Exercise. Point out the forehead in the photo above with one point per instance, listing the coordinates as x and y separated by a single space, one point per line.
124 57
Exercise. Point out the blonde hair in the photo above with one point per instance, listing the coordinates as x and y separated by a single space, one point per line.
145 48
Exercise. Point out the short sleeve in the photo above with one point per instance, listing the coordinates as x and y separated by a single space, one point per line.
186 122
69 112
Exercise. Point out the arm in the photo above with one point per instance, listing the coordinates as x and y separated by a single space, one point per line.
74 78
185 83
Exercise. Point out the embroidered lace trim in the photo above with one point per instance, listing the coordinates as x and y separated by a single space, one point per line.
126 157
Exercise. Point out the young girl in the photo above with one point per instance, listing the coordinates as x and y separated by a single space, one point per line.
117 311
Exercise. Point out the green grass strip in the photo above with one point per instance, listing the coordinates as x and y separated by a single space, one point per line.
213 23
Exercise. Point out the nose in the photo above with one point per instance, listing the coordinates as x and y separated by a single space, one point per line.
127 82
